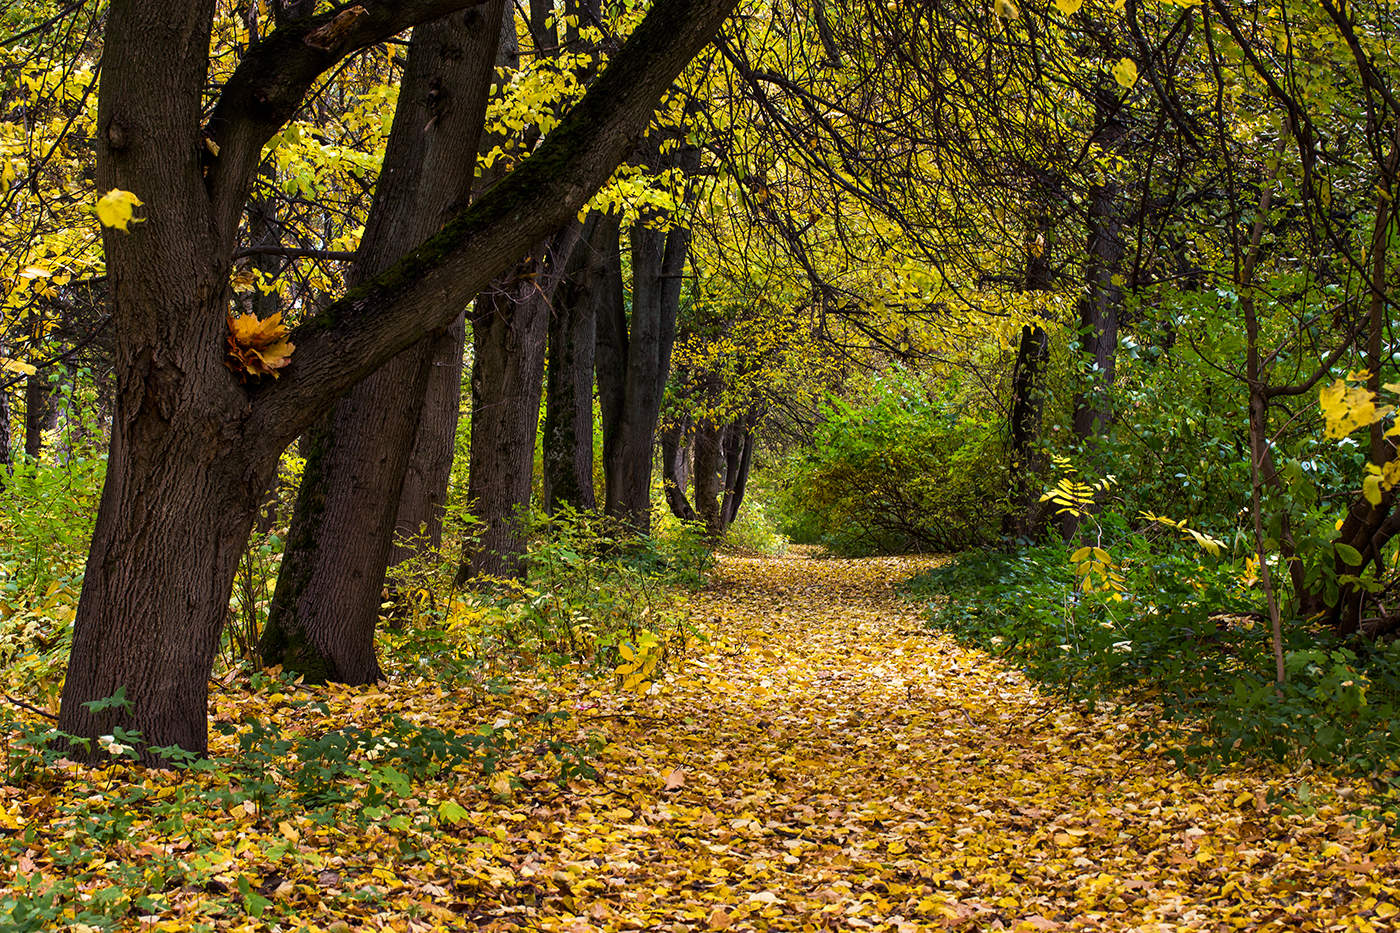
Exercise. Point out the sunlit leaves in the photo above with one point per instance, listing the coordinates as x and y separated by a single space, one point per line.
116 209
1125 72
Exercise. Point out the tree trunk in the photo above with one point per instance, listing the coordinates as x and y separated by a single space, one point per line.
1102 302
39 414
568 420
1025 465
675 471
740 460
330 587
709 475
634 360
193 447
510 325
423 501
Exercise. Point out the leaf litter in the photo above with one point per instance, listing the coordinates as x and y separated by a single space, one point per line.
824 763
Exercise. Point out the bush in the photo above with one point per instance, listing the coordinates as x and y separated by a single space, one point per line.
1182 633
46 517
894 471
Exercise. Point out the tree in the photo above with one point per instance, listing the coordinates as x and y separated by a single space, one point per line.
323 613
193 446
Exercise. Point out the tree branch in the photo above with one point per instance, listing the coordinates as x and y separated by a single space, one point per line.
432 284
273 78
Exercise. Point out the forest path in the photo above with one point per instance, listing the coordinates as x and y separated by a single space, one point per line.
833 765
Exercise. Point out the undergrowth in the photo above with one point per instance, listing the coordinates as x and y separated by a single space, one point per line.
1185 634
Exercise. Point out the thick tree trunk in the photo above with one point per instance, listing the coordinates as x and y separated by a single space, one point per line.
423 501
1025 466
509 325
330 587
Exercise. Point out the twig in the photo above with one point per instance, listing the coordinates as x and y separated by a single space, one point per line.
33 709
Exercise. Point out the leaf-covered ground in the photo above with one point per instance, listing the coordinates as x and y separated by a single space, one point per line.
824 763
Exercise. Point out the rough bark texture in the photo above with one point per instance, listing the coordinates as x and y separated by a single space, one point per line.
423 500
192 447
510 326
573 334
709 475
323 614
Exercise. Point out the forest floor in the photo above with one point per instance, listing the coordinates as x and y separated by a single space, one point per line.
824 763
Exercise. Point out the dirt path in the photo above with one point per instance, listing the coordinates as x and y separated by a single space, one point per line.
843 769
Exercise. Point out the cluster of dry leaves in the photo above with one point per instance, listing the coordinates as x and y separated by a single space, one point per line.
823 764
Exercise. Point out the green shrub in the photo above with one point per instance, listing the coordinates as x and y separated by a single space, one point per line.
46 515
896 470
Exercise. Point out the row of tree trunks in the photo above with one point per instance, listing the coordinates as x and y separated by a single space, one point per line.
194 446
718 459
325 608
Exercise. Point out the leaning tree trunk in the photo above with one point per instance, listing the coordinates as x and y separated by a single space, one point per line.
330 587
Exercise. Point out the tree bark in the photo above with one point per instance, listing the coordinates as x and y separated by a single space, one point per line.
568 420
510 326
709 475
675 471
634 361
739 457
192 446
423 501
326 605
1102 302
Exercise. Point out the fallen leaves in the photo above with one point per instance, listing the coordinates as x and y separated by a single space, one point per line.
825 765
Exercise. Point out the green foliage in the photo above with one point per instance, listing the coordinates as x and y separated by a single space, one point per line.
897 470
1183 634
46 516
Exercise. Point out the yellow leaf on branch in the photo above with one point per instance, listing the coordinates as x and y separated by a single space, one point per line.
116 207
